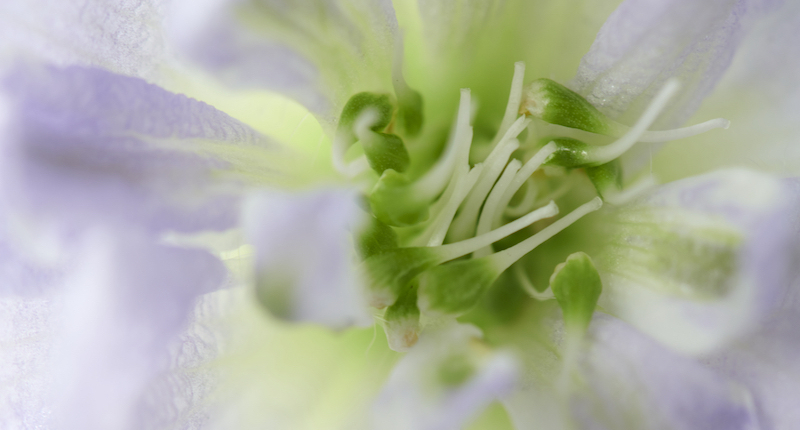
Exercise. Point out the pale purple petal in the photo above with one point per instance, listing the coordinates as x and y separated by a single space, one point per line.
304 261
85 146
184 393
646 42
632 382
760 94
128 300
122 36
28 330
654 272
21 276
414 396
766 364
318 52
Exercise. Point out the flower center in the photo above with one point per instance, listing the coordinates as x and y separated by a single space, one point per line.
512 189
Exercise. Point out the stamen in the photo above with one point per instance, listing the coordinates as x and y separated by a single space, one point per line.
464 224
492 203
361 129
526 203
524 173
454 288
680 133
504 259
458 249
514 98
604 154
432 184
633 191
438 206
438 228
390 271
527 285
397 201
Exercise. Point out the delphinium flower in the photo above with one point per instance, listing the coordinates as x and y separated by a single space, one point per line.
484 183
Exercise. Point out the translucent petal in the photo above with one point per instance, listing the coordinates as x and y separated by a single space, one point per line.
85 146
645 42
304 262
318 52
700 261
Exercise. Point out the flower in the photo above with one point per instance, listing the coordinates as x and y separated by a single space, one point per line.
166 265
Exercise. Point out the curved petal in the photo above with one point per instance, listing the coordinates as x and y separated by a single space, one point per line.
28 330
766 364
629 381
702 260
123 36
115 339
760 94
646 42
19 276
182 395
319 52
304 263
87 146
442 382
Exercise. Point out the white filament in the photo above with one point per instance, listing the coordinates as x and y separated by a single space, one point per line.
492 203
464 224
527 285
680 133
527 202
458 249
635 190
604 154
504 259
432 184
514 98
437 230
524 173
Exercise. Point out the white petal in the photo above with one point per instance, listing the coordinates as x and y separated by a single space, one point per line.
760 94
85 146
416 396
122 36
304 260
766 364
631 382
646 42
627 381
702 260
128 300
28 330
318 52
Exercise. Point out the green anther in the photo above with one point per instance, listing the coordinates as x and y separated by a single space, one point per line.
607 178
357 104
554 103
456 370
409 114
455 288
386 151
394 202
389 273
570 153
577 286
376 238
402 320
